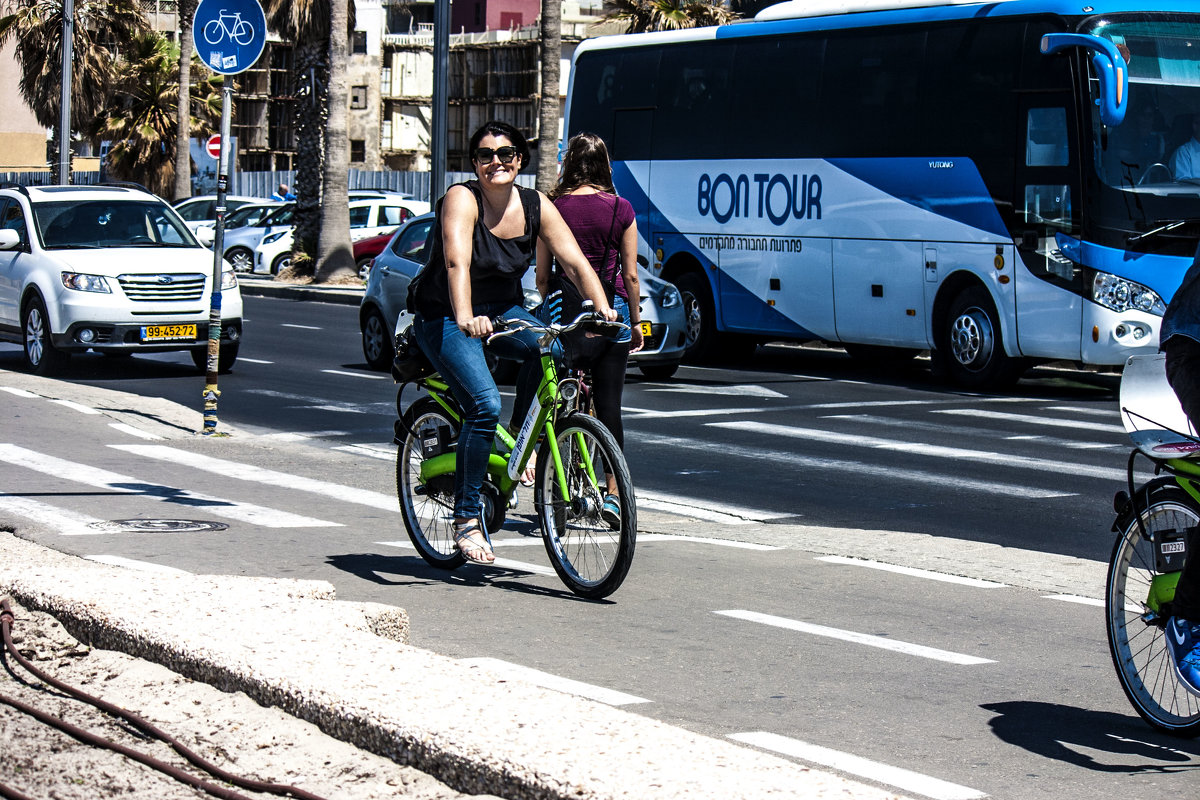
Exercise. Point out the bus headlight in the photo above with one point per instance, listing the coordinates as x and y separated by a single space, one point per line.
1120 294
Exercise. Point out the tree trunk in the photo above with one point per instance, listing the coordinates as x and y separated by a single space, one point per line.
311 104
548 115
335 258
183 133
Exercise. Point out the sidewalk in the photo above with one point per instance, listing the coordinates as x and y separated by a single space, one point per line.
266 286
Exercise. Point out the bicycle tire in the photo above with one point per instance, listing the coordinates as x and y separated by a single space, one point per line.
1137 644
427 509
590 558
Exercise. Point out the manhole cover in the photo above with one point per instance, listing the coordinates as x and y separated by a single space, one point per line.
157 526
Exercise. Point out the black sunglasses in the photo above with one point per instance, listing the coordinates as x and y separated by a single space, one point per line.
506 154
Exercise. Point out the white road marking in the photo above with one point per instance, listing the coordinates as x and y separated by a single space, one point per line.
132 431
382 452
921 448
882 642
305 401
903 779
142 566
115 482
369 375
835 466
963 430
19 392
60 520
303 327
737 390
82 409
638 413
1054 422
913 572
254 360
531 541
1074 598
714 512
247 472
509 671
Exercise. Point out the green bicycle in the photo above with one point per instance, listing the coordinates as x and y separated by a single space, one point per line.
578 460
1153 525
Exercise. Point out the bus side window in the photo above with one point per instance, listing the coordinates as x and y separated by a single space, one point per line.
1046 138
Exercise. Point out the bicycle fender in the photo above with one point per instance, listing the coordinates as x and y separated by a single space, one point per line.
442 464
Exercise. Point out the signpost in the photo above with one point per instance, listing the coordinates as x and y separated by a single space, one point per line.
229 36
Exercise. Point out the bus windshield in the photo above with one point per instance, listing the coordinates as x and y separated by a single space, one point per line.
1156 150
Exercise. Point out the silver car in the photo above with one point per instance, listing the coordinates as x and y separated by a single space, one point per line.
662 316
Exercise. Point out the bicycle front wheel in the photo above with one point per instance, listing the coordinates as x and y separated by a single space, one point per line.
427 507
1135 631
590 554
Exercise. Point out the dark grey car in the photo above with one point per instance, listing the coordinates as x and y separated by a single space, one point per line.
387 289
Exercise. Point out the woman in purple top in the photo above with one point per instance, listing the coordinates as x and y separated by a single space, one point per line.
604 226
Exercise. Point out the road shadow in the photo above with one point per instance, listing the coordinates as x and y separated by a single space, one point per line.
1062 733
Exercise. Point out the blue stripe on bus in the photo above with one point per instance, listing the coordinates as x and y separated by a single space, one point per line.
1162 274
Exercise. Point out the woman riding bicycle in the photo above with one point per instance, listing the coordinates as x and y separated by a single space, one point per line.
1180 340
484 238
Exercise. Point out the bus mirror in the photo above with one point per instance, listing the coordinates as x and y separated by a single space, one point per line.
1110 69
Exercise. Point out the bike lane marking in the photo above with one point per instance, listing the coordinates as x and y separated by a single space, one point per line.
898 777
882 642
920 448
124 484
510 671
913 572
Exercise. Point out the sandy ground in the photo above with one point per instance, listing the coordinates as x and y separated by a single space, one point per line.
232 731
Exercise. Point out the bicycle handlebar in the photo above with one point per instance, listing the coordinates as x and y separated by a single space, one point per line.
507 327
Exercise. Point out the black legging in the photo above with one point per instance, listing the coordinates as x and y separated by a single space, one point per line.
608 382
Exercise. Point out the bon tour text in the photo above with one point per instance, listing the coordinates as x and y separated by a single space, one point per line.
777 197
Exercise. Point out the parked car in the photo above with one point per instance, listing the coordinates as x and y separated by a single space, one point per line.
248 214
240 243
109 269
366 249
196 211
369 216
380 313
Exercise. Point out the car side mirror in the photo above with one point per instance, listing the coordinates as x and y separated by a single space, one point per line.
10 239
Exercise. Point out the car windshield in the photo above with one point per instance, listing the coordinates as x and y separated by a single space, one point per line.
280 216
109 223
247 215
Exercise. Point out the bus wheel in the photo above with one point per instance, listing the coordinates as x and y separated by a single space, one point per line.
700 325
970 349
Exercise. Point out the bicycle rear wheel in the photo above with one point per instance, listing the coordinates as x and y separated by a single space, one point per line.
427 507
590 557
1135 631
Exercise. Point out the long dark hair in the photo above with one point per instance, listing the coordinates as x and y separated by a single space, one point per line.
585 163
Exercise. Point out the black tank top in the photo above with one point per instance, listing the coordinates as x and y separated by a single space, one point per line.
496 264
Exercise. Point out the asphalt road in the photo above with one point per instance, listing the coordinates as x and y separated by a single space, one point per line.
937 687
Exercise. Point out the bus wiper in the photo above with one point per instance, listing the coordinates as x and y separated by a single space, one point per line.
1164 228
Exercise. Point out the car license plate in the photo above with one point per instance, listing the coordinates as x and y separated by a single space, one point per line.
645 326
166 333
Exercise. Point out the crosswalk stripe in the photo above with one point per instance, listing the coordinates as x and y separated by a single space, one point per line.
963 430
115 482
858 468
921 448
141 566
1055 422
882 642
511 671
732 390
247 472
60 520
850 764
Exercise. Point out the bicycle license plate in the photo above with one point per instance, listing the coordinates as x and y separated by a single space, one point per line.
168 333
645 326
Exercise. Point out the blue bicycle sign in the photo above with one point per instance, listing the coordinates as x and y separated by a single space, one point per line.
229 34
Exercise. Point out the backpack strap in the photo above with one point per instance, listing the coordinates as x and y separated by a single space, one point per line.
531 201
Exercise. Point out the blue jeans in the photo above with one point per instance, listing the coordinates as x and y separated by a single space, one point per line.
459 359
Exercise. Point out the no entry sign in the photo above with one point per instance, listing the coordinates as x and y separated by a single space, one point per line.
213 145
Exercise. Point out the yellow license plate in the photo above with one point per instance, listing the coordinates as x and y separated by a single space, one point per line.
165 333
645 326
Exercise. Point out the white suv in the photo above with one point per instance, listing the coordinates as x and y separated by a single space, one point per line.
110 269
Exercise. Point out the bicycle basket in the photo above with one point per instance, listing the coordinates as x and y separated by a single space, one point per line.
410 362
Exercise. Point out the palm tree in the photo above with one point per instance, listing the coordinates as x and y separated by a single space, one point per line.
547 174
335 258
35 27
141 120
669 15
186 9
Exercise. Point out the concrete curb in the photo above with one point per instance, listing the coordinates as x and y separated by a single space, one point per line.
343 667
266 286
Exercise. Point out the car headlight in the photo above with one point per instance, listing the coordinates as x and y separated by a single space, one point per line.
670 297
273 237
1120 294
228 279
85 283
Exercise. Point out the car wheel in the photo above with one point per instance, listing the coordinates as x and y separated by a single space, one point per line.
700 325
281 262
228 355
41 356
377 341
240 258
364 267
659 372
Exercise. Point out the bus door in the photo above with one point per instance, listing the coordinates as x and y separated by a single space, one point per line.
879 292
1046 202
778 285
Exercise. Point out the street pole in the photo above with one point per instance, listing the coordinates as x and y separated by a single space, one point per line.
441 98
211 393
64 106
